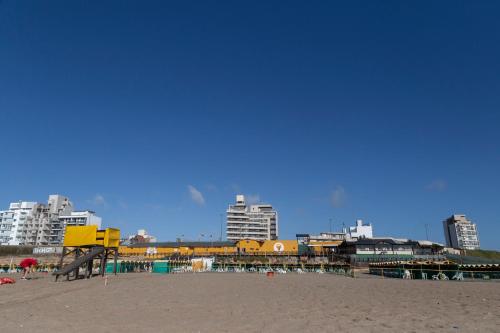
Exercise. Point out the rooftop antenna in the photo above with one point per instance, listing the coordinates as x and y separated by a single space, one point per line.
427 231
330 220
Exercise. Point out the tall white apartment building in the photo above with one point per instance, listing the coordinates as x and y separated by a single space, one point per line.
31 223
19 224
57 206
257 222
460 233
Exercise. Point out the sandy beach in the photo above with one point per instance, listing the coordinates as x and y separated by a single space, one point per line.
225 302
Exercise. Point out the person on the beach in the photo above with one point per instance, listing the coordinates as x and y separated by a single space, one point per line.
26 265
26 271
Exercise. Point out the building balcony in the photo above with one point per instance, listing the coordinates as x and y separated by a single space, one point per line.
243 226
260 232
231 218
247 225
246 233
245 230
247 222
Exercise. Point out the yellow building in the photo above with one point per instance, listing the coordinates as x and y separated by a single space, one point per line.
182 249
323 247
274 247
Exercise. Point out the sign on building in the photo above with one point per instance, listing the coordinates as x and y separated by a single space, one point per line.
279 247
151 250
47 250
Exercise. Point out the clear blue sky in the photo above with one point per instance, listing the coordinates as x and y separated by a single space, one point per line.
385 111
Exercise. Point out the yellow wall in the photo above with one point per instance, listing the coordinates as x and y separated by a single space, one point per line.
263 247
171 251
249 247
245 246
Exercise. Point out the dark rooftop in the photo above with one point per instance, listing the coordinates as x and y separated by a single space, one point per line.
374 241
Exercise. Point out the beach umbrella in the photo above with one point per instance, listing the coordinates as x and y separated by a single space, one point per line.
28 262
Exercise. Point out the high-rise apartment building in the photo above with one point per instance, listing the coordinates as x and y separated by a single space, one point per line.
20 224
57 206
460 233
257 221
31 223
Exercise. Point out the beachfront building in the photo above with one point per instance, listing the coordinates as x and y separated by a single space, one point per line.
460 233
322 237
361 230
78 219
389 247
32 223
18 224
256 221
57 206
141 237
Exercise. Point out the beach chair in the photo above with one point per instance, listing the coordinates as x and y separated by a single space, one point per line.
459 276
440 276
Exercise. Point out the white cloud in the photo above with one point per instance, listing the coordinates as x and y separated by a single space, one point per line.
338 197
196 195
98 200
252 199
437 185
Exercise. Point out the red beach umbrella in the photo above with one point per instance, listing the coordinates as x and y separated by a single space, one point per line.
28 262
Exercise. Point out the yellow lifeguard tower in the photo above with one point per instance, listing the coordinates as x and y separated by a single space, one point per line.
87 244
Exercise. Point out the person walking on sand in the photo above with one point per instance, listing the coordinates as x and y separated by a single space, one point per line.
26 265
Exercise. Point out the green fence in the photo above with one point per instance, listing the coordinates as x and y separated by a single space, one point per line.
162 266
128 266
